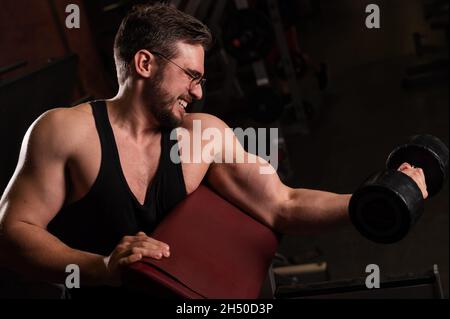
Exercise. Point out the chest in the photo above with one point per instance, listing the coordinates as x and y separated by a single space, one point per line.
136 163
139 163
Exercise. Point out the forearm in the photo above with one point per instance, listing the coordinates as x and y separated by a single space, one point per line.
37 254
310 211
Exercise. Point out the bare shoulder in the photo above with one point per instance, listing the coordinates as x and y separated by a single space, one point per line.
61 128
204 119
72 116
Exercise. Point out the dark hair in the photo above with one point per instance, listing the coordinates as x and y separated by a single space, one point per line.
156 27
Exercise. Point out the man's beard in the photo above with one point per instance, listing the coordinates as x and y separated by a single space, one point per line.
162 103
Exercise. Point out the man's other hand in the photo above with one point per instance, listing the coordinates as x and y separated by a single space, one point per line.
132 249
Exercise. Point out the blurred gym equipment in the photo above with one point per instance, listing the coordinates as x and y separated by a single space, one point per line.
408 286
434 68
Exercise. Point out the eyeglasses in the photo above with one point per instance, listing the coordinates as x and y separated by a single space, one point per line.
195 79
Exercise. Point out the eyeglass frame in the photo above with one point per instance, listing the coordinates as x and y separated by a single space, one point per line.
197 80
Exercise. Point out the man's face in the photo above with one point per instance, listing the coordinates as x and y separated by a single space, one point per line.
169 90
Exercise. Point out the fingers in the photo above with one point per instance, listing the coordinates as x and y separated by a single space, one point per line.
142 237
405 166
417 174
150 245
134 248
151 241
412 171
149 252
134 254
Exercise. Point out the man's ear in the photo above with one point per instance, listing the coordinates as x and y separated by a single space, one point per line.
143 63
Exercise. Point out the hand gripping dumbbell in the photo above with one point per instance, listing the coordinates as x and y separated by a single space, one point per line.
386 206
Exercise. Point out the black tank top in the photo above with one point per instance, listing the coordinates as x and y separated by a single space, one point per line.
109 211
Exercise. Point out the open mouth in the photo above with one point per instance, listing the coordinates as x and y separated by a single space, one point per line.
182 104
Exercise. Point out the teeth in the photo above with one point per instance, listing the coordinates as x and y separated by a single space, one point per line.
182 103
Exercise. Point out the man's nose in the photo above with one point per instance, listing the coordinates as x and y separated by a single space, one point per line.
196 92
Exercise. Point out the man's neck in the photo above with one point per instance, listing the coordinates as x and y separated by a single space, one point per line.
129 112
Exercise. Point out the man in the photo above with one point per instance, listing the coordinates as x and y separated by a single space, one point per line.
94 179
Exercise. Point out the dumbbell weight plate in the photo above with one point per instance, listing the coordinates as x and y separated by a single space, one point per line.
386 206
426 152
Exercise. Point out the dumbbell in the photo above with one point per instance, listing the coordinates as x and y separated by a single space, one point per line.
388 204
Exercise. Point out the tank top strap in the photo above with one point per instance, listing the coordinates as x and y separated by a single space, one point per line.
99 111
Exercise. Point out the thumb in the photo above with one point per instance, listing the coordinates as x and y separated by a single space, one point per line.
404 166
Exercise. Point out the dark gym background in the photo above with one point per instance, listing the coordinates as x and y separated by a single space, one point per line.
375 97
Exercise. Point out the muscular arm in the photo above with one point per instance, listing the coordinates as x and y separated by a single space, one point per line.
288 210
33 197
